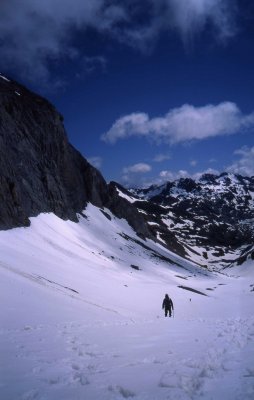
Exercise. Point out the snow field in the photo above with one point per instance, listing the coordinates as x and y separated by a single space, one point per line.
78 323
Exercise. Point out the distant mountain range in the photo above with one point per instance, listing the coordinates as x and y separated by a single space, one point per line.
209 221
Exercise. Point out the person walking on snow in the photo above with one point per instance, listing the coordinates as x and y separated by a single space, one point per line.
167 305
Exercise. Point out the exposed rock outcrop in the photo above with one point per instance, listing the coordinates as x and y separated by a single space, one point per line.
40 171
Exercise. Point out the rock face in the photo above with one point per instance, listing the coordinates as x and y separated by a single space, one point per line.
40 171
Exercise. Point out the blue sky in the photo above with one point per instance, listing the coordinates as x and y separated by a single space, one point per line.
150 91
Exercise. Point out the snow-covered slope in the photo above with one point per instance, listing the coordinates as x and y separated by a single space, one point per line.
81 317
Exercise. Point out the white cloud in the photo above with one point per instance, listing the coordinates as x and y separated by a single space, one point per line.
161 157
245 165
211 171
167 175
33 32
139 168
193 163
133 176
183 124
135 124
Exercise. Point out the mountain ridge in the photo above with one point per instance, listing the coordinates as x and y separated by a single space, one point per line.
208 221
212 216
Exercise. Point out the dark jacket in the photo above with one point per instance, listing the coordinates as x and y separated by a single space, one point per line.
167 303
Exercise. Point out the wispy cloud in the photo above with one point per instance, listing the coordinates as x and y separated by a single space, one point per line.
137 168
245 164
95 161
192 16
94 63
163 177
168 175
134 175
183 124
33 32
161 157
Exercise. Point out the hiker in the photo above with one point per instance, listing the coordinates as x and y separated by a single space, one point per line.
167 305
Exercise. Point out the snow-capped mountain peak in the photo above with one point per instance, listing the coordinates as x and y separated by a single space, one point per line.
210 219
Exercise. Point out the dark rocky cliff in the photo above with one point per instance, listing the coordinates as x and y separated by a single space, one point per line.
40 171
